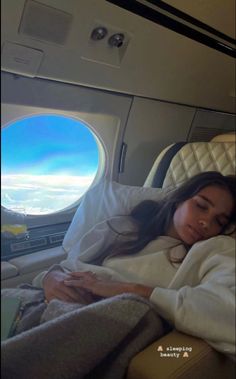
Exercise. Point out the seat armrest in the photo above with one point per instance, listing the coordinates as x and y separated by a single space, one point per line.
23 269
202 361
39 260
8 270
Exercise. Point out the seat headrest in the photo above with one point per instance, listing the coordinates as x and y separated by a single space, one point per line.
190 159
228 137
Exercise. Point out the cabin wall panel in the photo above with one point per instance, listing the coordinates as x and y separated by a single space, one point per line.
207 124
152 125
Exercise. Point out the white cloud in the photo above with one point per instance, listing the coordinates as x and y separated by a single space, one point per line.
48 181
42 194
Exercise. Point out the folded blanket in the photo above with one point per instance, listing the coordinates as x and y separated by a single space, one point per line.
74 341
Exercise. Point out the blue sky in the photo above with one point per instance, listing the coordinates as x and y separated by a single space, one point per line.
48 162
42 145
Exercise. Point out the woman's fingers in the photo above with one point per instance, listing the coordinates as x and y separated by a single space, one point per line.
55 288
78 283
64 297
82 274
104 288
60 295
71 293
65 293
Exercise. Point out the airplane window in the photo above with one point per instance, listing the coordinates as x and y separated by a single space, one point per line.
48 162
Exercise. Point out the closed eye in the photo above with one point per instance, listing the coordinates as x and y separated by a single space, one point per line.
202 205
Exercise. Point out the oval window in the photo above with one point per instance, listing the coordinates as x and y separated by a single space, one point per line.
48 163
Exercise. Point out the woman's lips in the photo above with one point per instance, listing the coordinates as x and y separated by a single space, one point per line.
195 233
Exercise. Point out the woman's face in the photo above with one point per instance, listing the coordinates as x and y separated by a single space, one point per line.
203 216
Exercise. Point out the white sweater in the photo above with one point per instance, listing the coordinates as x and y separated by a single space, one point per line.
196 296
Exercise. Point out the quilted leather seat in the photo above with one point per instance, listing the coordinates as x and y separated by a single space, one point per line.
173 166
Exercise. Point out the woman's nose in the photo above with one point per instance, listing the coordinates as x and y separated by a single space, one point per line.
203 223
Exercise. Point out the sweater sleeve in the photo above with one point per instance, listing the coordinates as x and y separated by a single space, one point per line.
90 246
207 309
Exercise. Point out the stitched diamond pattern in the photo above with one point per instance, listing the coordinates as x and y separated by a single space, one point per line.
196 157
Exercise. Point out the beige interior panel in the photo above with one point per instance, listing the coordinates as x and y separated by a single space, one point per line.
157 62
24 268
152 125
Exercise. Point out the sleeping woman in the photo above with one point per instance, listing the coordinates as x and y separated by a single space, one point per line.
174 252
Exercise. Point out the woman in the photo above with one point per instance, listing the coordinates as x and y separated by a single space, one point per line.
142 251
172 252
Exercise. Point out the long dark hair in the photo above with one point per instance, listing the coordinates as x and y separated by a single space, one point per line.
153 218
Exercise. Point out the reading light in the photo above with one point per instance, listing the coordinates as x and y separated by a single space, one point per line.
98 33
116 40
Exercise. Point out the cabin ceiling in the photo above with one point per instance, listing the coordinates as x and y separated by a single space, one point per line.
154 62
220 14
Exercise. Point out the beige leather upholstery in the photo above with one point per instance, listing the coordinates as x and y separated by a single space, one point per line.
228 137
202 362
200 156
196 157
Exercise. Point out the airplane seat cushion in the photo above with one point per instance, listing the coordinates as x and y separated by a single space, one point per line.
166 358
227 137
184 160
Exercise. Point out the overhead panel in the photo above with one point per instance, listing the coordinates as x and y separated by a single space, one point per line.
153 61
21 59
180 22
45 23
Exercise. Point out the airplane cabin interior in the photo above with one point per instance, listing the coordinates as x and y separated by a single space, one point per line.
152 83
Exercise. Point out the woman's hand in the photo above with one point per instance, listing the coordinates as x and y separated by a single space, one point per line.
104 287
55 288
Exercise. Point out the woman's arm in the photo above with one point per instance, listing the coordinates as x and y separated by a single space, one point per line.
87 249
103 287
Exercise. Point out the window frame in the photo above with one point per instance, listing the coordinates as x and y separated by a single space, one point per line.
104 112
101 158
